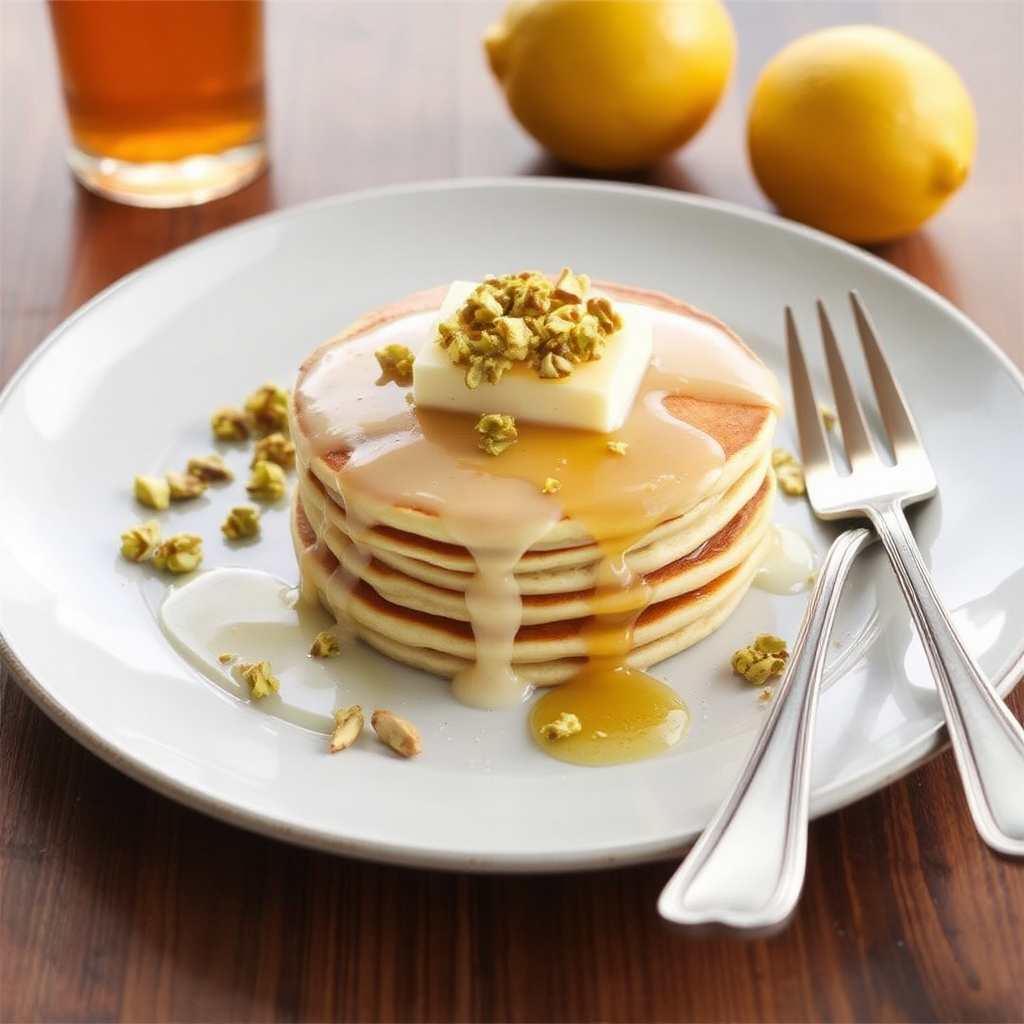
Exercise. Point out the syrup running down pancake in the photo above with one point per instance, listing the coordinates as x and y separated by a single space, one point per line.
467 565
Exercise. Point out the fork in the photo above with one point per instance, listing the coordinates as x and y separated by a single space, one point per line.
987 741
746 871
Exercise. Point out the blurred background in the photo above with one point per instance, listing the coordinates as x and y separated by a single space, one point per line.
446 117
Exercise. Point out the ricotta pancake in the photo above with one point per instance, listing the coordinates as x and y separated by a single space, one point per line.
571 547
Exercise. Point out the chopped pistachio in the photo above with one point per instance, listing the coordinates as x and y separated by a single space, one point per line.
274 448
497 432
139 542
551 485
395 363
602 310
268 407
260 677
325 645
764 659
185 486
524 318
570 287
348 724
756 668
564 726
231 424
789 473
791 480
180 553
768 643
554 365
241 522
398 733
211 468
153 491
617 447
268 482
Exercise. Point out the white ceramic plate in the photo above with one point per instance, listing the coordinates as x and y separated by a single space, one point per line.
127 384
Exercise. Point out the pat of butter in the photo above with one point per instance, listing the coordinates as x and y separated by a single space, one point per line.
595 396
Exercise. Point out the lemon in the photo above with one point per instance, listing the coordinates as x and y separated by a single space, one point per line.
860 131
612 85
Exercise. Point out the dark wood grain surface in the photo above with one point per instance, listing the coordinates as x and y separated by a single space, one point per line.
119 905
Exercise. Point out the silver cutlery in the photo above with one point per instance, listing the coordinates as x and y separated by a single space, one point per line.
987 741
746 870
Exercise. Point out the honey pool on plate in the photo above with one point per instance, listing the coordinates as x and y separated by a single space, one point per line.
624 715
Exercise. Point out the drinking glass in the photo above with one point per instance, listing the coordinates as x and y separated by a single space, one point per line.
165 98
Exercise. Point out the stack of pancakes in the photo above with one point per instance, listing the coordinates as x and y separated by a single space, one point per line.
640 592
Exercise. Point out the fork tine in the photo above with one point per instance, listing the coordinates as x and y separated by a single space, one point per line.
899 423
814 447
849 411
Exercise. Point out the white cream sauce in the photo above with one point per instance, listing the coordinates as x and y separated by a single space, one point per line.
790 562
253 616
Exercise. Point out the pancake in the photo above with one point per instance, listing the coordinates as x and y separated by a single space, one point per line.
552 593
689 597
465 565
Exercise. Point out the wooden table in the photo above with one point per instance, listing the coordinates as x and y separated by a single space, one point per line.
118 904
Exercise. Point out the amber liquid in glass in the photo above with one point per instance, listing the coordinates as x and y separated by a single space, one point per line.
150 84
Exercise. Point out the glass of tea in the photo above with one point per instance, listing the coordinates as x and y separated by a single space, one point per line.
165 98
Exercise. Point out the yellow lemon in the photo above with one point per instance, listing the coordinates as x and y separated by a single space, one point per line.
860 131
612 85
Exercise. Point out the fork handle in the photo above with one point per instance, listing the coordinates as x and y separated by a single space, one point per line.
987 741
746 870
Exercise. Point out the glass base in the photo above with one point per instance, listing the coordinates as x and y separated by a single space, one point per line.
188 182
